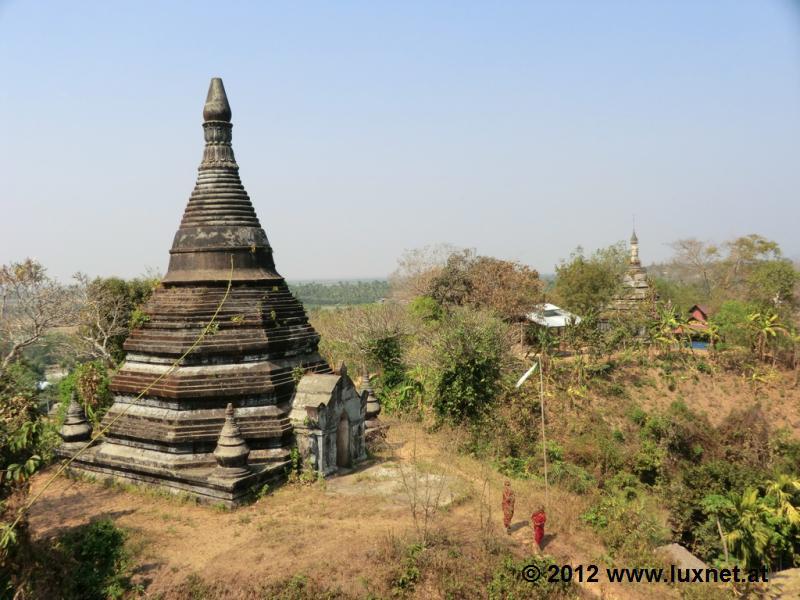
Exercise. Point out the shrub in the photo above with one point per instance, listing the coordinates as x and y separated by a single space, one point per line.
685 496
627 527
649 462
403 398
95 562
507 581
409 574
598 448
388 353
574 478
617 389
518 468
426 308
731 319
554 451
91 380
469 354
599 369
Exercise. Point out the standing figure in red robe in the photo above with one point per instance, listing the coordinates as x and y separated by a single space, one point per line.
508 505
537 523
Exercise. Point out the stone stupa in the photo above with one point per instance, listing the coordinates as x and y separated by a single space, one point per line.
636 295
249 361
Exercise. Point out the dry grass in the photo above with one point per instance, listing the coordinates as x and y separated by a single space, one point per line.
317 541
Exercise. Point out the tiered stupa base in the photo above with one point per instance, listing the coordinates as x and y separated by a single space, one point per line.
201 483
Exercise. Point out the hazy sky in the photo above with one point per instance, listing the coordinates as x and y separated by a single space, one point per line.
522 129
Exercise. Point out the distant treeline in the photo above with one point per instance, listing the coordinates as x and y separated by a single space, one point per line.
340 293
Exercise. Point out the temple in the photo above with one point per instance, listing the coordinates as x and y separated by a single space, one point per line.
218 423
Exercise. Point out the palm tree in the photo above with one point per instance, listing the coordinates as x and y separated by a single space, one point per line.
764 327
749 530
782 490
712 331
664 330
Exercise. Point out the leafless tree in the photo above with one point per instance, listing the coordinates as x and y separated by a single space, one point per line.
103 317
416 269
31 305
698 260
424 491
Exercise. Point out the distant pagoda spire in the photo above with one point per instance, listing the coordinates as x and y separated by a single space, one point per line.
634 260
219 221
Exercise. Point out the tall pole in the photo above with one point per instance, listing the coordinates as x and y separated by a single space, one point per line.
544 439
538 364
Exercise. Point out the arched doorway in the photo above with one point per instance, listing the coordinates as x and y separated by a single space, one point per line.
343 442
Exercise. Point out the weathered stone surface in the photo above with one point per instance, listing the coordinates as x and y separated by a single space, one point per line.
636 293
231 451
374 429
328 420
247 361
681 557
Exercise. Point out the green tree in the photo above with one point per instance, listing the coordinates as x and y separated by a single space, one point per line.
469 354
772 284
732 322
747 268
508 289
669 329
764 328
587 284
682 295
784 491
745 254
696 263
748 527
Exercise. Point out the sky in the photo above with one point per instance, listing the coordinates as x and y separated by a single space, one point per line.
520 129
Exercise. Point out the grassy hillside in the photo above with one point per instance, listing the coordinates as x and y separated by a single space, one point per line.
362 526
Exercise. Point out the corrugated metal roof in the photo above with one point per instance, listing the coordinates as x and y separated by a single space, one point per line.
551 315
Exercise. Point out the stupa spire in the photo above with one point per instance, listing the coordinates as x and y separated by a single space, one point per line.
219 221
635 250
217 128
217 107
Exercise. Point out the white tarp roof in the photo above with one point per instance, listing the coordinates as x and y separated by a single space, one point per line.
552 316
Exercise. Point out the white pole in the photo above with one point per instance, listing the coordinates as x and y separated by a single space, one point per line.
522 380
544 440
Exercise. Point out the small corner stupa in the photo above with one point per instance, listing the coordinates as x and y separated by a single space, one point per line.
217 424
375 429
